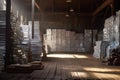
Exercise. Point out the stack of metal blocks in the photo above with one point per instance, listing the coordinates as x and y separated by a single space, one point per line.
88 40
2 37
16 29
117 26
36 44
109 29
61 40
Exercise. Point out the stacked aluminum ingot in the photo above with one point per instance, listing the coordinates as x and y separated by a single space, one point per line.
49 39
72 41
109 29
88 40
117 26
2 37
16 29
77 42
67 41
81 43
97 50
61 40
36 45
17 36
53 41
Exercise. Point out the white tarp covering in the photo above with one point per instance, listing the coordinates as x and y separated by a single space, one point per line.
96 53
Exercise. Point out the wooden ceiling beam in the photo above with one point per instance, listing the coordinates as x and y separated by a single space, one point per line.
106 3
64 13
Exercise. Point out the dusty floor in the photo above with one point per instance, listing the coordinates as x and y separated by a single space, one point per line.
69 67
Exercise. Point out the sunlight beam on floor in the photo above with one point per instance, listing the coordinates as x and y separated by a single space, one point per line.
66 56
101 69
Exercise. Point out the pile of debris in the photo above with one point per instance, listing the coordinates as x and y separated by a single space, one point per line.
114 58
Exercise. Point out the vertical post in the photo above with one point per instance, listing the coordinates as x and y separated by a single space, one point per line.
29 53
9 45
33 11
113 7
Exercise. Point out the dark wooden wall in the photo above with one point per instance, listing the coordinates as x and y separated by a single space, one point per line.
74 22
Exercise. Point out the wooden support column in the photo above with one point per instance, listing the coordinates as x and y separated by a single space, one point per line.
33 12
9 40
32 17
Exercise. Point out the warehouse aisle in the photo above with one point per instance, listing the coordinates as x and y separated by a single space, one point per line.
70 67
75 67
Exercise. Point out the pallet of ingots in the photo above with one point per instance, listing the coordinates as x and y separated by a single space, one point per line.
49 39
36 47
77 42
2 15
72 41
81 45
114 57
2 31
67 41
97 50
88 40
58 40
1 58
53 36
2 36
2 24
63 31
17 31
117 25
109 28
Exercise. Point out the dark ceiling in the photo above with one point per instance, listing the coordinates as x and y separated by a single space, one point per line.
81 6
92 13
63 6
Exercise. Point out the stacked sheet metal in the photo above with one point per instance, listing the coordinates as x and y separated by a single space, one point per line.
61 40
36 45
2 37
88 40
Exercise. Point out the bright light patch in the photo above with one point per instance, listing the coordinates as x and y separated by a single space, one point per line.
106 76
66 56
80 56
60 56
79 74
102 70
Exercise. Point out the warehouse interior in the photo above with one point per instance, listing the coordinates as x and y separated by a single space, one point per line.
59 39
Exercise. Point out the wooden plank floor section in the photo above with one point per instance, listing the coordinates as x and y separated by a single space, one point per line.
71 67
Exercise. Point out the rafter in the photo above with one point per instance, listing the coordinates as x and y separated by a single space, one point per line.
106 3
